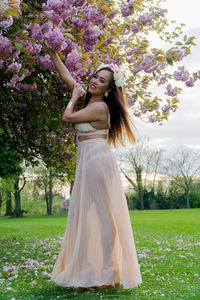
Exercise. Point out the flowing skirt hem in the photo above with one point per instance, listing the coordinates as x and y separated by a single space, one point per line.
97 284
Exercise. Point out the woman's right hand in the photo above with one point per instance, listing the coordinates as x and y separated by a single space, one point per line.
78 91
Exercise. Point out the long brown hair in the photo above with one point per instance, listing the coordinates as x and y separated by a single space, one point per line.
119 118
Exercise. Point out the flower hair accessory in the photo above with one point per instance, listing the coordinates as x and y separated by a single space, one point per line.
118 76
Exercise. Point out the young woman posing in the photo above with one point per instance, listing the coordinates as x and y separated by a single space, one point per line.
98 249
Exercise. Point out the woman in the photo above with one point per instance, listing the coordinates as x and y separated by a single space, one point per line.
98 249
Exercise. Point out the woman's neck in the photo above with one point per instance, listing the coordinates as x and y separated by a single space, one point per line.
96 99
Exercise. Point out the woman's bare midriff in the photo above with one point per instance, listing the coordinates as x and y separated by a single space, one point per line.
87 137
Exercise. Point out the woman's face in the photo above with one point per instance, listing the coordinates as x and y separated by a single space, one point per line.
99 84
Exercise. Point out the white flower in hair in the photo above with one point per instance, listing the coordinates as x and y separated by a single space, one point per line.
118 76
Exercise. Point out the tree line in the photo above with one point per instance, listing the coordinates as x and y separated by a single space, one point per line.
33 190
159 179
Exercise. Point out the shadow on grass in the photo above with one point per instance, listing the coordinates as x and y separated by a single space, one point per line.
52 291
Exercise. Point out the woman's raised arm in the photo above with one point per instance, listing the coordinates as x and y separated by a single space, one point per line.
62 70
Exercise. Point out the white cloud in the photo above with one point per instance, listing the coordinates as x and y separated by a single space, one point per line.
186 12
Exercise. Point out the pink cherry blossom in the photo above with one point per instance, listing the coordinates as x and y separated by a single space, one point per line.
14 67
5 48
146 20
7 23
90 37
170 91
73 60
46 62
56 40
135 28
78 2
125 11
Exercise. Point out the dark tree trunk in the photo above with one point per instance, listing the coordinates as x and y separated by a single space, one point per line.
171 202
1 201
187 199
46 198
71 186
8 204
50 193
17 212
138 170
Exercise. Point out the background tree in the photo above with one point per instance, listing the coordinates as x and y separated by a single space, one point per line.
195 193
6 194
18 212
182 167
45 181
143 161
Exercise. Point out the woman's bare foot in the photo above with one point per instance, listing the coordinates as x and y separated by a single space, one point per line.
117 286
82 289
104 287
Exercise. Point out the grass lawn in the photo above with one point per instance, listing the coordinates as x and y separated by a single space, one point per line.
167 243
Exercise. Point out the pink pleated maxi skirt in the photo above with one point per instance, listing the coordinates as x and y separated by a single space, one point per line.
98 246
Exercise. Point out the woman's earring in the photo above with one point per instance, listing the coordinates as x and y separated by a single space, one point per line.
106 94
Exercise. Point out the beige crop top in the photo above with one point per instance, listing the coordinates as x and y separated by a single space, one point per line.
88 129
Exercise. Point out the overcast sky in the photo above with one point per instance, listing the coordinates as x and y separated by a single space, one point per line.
183 126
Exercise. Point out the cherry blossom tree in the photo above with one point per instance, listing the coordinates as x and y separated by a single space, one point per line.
84 33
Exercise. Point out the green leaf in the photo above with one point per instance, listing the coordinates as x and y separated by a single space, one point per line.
185 37
18 45
22 72
26 51
170 61
12 12
135 96
179 43
188 50
190 41
139 94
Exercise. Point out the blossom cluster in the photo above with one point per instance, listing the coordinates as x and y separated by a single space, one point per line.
15 79
14 67
183 75
6 23
132 100
26 87
46 62
58 11
73 60
135 28
160 79
146 20
93 15
148 64
190 82
127 10
79 23
166 108
156 11
90 37
78 2
170 91
6 48
56 40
